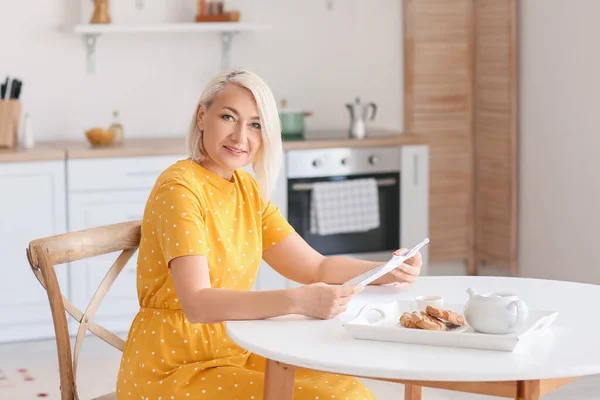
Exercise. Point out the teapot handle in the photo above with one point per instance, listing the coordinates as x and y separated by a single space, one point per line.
374 107
351 109
521 312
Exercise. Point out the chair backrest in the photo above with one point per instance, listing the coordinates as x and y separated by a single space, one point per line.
45 253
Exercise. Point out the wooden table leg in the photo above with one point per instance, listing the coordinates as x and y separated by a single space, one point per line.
529 390
412 392
279 381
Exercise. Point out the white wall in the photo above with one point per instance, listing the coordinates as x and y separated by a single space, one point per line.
320 59
316 58
560 139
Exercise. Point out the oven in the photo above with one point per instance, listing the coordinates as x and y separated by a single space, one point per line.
305 167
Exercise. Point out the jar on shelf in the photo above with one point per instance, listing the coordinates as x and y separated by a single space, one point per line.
117 128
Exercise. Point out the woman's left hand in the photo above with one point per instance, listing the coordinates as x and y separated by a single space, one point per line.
406 274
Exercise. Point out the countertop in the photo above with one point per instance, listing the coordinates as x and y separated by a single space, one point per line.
135 147
43 151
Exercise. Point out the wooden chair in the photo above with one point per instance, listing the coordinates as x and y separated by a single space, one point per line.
43 254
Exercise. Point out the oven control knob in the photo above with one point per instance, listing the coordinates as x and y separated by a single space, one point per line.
373 160
316 163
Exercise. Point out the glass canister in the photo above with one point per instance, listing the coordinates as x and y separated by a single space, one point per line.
117 128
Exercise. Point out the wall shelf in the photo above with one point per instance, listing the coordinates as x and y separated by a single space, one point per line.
91 33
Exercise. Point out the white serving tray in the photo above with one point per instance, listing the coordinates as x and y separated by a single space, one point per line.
381 322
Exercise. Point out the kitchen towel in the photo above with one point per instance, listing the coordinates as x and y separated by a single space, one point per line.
344 206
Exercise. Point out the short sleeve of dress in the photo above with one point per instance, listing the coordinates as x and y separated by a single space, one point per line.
179 221
275 226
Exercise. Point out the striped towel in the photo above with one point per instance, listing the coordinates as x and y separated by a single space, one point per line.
344 207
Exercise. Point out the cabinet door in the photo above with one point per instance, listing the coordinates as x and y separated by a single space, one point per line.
414 199
120 173
33 206
89 210
268 278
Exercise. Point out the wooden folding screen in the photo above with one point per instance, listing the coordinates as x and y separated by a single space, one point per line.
495 127
460 92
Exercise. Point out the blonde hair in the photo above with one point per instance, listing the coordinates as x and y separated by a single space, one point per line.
267 161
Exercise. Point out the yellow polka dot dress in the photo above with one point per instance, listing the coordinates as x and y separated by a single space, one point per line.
192 211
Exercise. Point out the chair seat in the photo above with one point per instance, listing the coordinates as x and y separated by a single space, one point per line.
109 396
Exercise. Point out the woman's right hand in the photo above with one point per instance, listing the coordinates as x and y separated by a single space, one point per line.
320 300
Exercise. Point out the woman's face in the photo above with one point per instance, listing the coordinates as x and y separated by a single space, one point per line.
232 130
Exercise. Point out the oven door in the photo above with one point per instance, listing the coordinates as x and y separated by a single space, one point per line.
384 239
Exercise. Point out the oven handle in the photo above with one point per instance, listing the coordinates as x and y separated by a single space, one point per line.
300 187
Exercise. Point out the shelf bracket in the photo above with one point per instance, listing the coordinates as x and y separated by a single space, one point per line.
91 40
226 39
90 43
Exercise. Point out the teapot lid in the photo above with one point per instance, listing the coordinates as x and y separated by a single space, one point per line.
491 295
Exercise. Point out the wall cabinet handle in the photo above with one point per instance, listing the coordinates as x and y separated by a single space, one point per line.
416 169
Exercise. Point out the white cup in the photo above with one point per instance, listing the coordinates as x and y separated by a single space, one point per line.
423 301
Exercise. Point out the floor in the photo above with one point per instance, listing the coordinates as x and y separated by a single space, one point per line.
29 371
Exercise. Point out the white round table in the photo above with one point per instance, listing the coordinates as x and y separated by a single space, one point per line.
569 348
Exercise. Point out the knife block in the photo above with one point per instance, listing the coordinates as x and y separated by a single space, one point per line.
10 116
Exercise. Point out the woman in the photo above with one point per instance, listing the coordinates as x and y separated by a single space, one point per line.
206 226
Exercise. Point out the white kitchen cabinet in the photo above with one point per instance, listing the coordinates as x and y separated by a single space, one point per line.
414 198
115 174
104 192
90 210
33 206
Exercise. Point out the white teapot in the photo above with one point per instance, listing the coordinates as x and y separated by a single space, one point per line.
495 313
358 117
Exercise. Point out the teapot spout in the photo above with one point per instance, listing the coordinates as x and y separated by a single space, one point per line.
471 292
